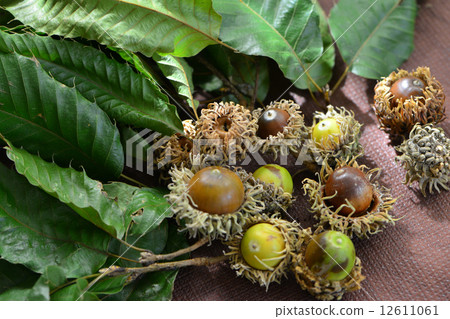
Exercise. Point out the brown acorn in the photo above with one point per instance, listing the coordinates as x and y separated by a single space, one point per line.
404 99
281 128
348 199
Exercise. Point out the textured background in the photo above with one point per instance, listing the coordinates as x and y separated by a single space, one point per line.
409 261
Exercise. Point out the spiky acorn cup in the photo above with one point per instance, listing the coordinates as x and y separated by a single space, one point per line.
323 280
213 201
334 136
176 150
405 98
281 128
223 131
425 156
349 199
263 252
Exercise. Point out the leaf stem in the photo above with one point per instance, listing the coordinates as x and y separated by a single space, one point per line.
133 180
148 258
342 77
131 246
201 261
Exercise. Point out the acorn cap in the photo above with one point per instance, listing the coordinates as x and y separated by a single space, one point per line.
203 224
372 221
176 150
292 135
316 285
222 131
425 157
400 119
289 231
348 145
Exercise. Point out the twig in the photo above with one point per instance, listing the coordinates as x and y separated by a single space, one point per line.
202 261
133 180
224 79
255 89
148 258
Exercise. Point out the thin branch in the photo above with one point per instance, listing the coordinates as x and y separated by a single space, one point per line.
148 258
202 261
224 79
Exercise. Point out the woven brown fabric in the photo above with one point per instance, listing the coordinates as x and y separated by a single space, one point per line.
408 261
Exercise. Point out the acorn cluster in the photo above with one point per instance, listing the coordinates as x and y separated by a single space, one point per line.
212 197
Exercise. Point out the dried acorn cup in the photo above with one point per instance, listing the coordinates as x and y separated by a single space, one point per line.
263 252
426 158
405 98
281 128
176 150
348 199
213 201
223 130
325 264
335 135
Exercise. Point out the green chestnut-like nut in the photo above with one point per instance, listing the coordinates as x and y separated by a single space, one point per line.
277 175
330 255
262 246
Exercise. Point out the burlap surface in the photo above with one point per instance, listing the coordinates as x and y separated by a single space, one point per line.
408 261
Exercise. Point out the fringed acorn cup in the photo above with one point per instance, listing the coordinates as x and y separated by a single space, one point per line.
213 202
325 264
334 136
405 98
349 200
176 151
263 252
281 128
222 132
426 158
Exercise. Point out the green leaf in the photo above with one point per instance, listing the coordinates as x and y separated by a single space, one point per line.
38 231
156 285
48 118
84 195
320 70
286 31
180 75
109 285
75 292
126 96
15 276
146 207
374 37
39 292
181 28
154 240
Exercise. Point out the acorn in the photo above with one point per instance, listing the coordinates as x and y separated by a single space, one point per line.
325 264
404 99
213 201
263 252
426 158
335 135
176 150
281 128
222 132
278 187
348 199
